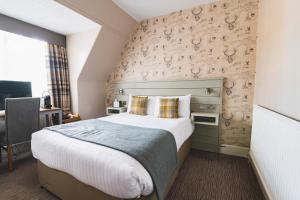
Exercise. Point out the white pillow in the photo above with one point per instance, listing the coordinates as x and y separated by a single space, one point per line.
184 109
150 105
129 103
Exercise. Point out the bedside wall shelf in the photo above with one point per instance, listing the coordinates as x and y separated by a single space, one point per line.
115 110
211 119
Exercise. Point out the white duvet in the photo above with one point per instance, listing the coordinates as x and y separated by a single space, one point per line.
106 169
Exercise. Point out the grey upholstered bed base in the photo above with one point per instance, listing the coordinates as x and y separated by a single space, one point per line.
67 187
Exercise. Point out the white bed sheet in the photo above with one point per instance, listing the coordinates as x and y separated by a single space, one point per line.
106 169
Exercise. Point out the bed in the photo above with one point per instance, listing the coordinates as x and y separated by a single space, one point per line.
103 168
75 169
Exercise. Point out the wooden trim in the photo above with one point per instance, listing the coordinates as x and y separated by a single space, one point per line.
10 157
259 177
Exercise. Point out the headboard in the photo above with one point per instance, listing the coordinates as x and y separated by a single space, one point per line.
206 93
206 97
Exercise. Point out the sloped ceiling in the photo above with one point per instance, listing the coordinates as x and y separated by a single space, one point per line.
116 26
103 12
47 14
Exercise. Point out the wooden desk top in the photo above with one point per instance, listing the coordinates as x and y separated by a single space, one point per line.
2 112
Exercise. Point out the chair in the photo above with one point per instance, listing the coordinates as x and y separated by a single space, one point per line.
2 134
22 118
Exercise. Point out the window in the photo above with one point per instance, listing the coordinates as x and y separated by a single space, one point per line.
23 59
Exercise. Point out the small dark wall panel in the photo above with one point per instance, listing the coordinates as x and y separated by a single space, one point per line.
16 26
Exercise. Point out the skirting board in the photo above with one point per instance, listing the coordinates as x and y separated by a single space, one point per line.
234 150
259 177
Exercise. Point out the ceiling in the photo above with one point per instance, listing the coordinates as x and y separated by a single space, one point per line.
47 14
144 9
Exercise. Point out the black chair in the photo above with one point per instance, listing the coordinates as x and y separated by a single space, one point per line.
22 118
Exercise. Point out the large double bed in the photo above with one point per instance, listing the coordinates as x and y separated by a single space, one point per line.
76 169
110 171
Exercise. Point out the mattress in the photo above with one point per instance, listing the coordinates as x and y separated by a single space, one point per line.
106 169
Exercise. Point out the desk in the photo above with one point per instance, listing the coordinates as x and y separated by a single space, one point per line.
43 112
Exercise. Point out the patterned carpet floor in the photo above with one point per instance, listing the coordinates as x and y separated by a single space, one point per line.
204 176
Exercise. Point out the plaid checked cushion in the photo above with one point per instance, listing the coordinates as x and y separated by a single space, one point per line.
169 108
139 105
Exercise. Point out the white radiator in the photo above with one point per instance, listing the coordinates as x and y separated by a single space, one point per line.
275 151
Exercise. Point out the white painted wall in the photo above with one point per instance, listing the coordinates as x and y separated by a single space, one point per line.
278 61
79 46
93 77
116 26
275 138
92 99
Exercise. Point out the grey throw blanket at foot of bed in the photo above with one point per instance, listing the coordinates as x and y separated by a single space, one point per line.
155 149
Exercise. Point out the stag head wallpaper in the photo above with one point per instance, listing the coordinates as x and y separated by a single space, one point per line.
212 40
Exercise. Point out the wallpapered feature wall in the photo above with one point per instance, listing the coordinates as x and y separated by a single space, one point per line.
213 40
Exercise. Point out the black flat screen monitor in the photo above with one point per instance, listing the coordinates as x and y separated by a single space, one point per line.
13 89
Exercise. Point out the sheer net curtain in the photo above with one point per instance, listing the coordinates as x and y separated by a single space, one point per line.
23 59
